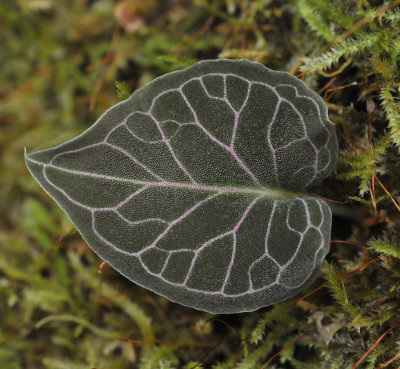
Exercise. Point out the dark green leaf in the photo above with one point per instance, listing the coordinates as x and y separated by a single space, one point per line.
187 187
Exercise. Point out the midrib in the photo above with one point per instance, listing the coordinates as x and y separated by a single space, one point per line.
263 191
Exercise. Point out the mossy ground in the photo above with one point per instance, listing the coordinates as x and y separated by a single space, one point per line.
59 62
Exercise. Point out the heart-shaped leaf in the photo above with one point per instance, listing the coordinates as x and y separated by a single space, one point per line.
187 187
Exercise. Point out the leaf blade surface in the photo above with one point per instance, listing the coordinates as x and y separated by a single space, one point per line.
185 187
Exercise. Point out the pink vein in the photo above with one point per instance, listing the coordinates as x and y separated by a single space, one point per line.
190 186
173 223
171 150
237 114
320 120
212 240
211 137
114 147
269 139
269 228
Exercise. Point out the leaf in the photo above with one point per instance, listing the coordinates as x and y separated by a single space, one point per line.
186 187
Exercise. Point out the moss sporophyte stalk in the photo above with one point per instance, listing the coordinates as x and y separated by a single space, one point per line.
189 187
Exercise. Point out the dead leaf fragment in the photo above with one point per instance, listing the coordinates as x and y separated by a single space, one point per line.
131 14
